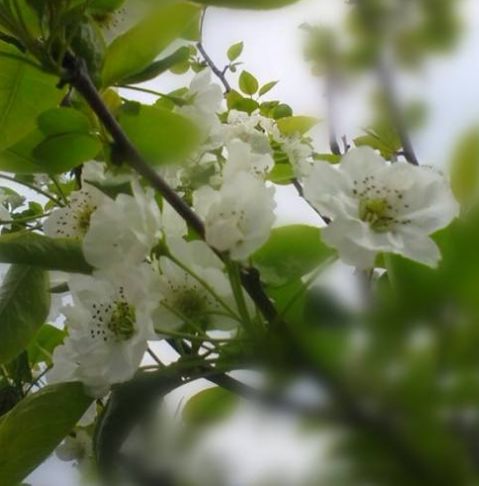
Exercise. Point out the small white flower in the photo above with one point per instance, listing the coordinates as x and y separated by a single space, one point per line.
78 447
73 220
300 155
238 217
205 102
97 172
109 325
241 158
4 213
184 297
123 231
251 129
380 207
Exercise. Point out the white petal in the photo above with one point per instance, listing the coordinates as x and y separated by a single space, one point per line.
361 162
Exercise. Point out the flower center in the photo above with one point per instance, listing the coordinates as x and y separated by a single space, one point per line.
122 321
191 304
376 213
84 217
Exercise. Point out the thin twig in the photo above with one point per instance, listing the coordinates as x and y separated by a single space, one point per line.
219 73
33 188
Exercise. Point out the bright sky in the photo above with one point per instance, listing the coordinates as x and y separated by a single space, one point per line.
273 52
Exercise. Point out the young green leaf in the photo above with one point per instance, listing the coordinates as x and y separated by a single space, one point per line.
248 83
209 406
296 125
27 248
25 92
24 306
235 51
63 120
267 87
44 343
133 51
161 135
179 57
61 153
36 426
290 253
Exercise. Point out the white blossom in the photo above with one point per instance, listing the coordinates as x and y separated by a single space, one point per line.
97 172
205 100
78 447
251 129
241 158
239 216
109 324
73 221
380 207
184 297
123 231
4 213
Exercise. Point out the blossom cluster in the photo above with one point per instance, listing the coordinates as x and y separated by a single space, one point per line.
151 278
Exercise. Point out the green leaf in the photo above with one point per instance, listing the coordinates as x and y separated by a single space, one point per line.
296 125
19 158
61 153
179 57
248 4
235 51
267 87
133 51
44 343
36 426
209 406
290 253
248 83
281 174
282 111
465 167
27 248
63 120
25 92
161 135
24 306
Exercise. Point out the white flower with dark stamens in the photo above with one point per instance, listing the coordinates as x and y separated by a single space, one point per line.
185 300
123 231
241 158
108 325
73 221
380 207
238 218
